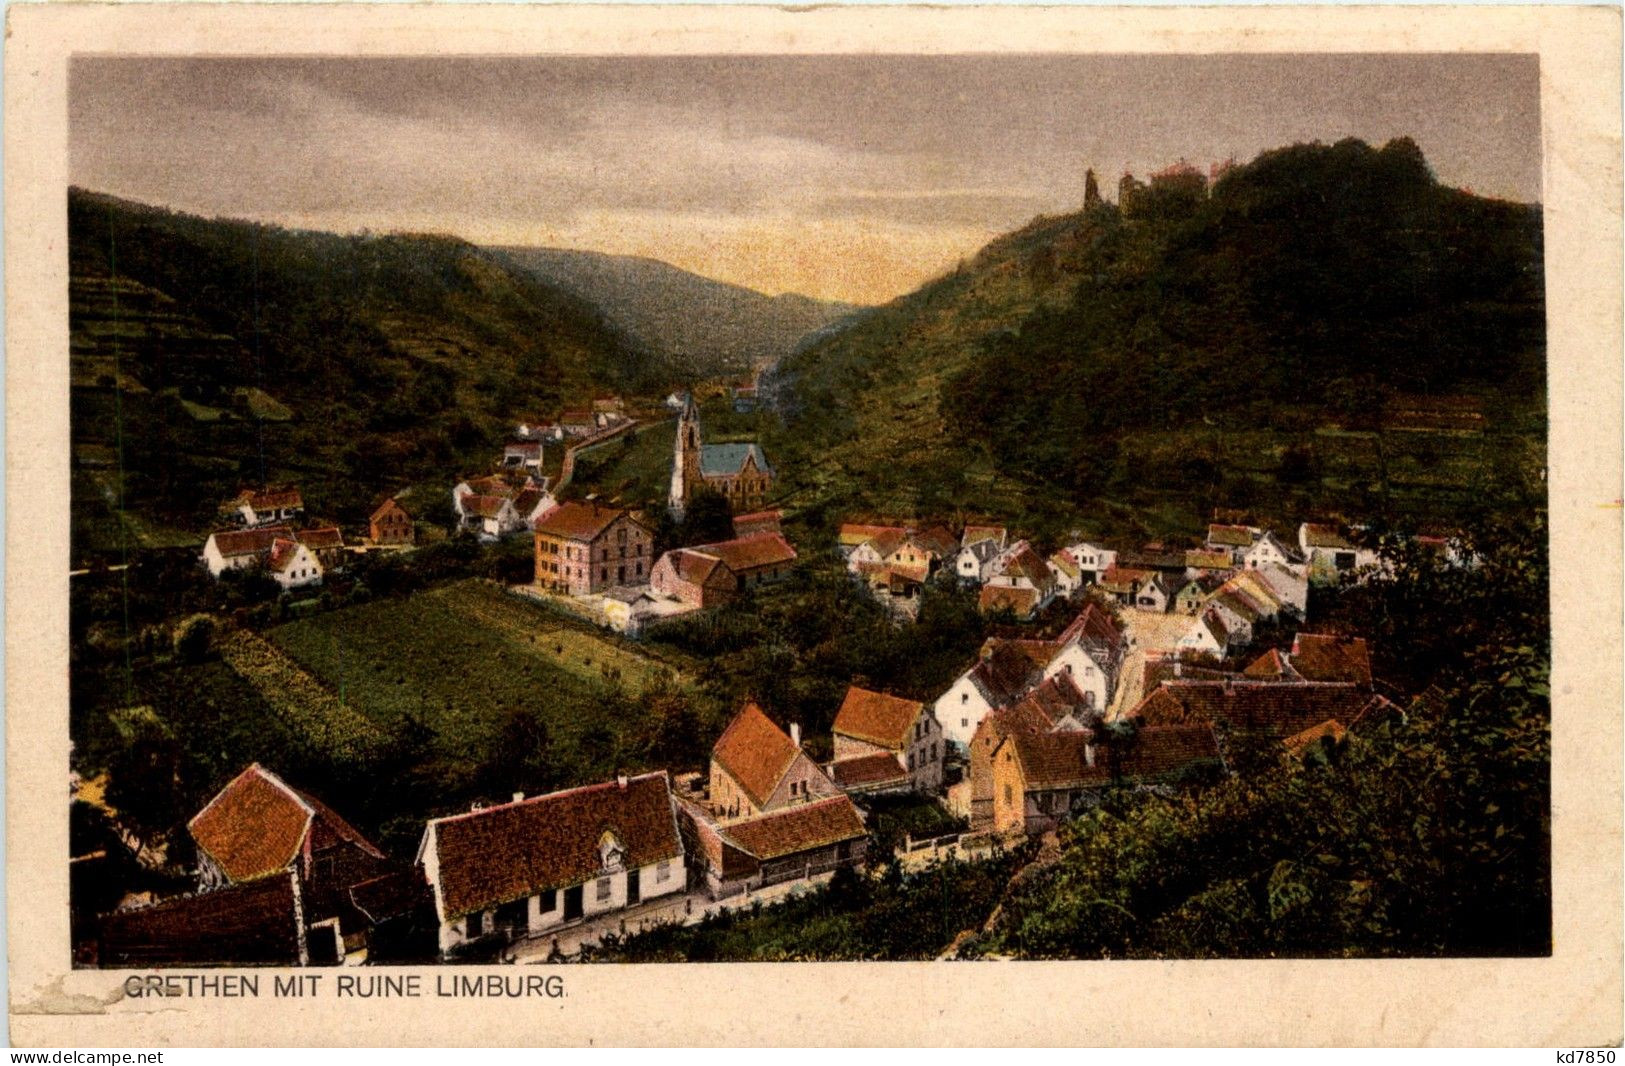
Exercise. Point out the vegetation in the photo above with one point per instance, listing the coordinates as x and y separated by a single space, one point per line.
1331 332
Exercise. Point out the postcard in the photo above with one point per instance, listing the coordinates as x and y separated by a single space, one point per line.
764 526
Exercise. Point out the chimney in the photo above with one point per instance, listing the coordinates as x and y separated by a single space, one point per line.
620 781
517 796
795 734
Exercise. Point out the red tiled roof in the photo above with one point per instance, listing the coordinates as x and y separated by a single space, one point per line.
269 499
1274 708
322 539
1024 562
1005 670
1019 600
757 522
876 717
390 895
1095 624
283 553
755 752
796 829
887 542
237 542
1122 577
1063 760
868 771
697 567
508 852
1297 743
253 924
1055 698
484 506
578 521
257 825
1325 657
755 552
1267 666
386 508
937 540
530 449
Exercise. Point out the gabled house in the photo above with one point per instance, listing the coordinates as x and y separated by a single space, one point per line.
241 549
853 535
1269 549
523 455
996 535
1208 635
253 508
1090 651
1332 658
756 768
1261 709
974 562
1066 572
489 517
1158 593
1205 561
584 548
1093 560
391 524
1193 594
1330 553
578 423
1056 705
1024 603
871 724
694 577
258 827
326 544
1004 671
783 845
874 552
540 863
1123 584
753 560
746 525
1020 580
1234 540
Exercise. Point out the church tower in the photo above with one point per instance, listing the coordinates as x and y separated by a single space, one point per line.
685 459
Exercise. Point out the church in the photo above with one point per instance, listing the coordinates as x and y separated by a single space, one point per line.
738 472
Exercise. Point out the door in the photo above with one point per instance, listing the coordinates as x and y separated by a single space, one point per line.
572 903
634 888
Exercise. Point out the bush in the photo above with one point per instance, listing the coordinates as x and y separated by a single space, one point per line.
193 639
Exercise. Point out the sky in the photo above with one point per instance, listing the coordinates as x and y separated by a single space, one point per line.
840 177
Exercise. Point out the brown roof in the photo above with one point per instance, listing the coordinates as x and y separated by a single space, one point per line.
1297 743
1122 577
1005 670
796 829
508 852
755 752
1095 626
1318 535
321 539
1209 560
1269 665
269 499
530 449
257 825
755 552
876 717
387 507
1055 698
1063 760
855 533
1324 657
1019 600
390 895
757 522
578 521
975 533
937 539
697 567
283 553
868 771
526 501
239 925
886 542
1238 536
484 506
232 543
1025 562
1274 708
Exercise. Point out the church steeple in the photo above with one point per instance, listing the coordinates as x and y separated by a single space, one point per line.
685 459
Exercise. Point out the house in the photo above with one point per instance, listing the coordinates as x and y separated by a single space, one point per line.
1330 554
584 548
292 565
758 522
1247 708
1024 603
538 429
1020 580
1194 593
694 577
259 923
630 608
876 551
499 505
1041 778
754 560
874 723
488 517
1055 705
259 827
1004 671
974 562
1207 561
1067 573
1269 549
1123 584
530 505
783 845
523 455
1093 560
756 768
578 423
241 549
326 544
1288 587
1090 651
744 397
866 775
853 535
1317 657
1159 592
738 472
1208 635
543 862
391 524
253 508
1231 539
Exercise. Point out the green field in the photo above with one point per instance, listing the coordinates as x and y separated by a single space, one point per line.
634 468
459 659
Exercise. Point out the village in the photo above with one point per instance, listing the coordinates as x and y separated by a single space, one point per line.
1148 684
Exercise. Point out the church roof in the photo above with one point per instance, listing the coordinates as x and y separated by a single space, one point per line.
720 459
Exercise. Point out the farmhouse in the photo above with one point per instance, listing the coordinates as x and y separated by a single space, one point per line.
871 724
754 560
326 544
584 548
1055 705
391 524
784 845
523 455
274 549
1330 553
539 863
1004 671
259 827
694 577
756 768
253 508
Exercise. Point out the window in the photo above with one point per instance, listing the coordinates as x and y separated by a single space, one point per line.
548 901
476 924
603 889
640 569
964 697
1009 796
964 723
663 872
911 761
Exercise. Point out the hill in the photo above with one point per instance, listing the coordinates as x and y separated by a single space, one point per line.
700 328
207 352
1325 330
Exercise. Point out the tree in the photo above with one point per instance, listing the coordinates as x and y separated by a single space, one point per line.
193 639
707 519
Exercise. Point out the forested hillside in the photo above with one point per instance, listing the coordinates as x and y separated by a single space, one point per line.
206 353
1327 330
699 328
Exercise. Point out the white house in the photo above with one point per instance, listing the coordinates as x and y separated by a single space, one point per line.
523 455
1066 572
1091 651
975 561
534 865
1207 635
491 517
292 564
1004 671
1330 554
274 549
253 508
1093 560
1270 549
1233 539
